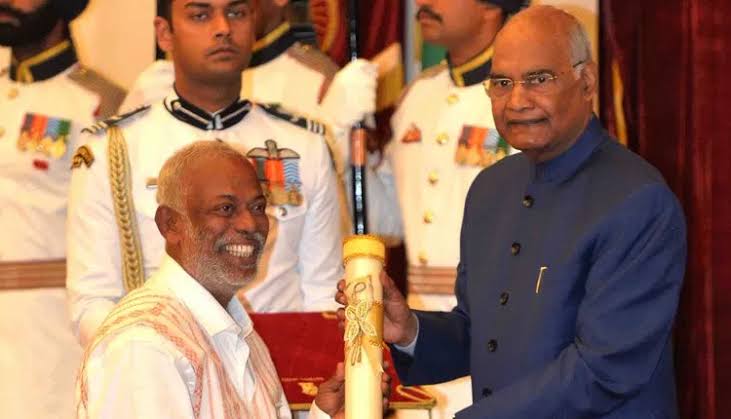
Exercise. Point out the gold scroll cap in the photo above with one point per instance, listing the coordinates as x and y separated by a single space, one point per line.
364 245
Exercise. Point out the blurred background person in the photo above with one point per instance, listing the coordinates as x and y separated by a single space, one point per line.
46 98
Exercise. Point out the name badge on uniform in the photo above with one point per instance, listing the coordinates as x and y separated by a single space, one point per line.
480 146
44 134
412 135
278 172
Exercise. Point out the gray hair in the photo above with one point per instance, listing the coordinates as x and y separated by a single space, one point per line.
578 42
170 191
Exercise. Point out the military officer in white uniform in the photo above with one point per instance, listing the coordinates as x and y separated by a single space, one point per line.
46 98
443 136
304 81
210 42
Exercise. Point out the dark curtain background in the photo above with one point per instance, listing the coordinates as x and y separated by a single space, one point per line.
674 59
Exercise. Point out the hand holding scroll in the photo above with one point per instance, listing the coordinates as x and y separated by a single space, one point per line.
331 394
399 323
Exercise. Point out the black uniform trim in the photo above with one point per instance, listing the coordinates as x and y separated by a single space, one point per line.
115 120
311 125
44 65
473 71
274 47
190 114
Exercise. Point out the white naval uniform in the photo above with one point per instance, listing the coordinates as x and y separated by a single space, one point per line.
38 353
432 186
301 263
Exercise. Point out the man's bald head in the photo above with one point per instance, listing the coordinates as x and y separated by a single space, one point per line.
548 25
542 81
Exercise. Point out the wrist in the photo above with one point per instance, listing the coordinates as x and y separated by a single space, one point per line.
410 331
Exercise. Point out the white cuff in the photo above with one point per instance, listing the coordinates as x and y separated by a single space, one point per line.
409 349
316 413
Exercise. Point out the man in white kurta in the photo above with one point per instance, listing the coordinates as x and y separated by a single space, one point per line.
170 349
46 98
302 259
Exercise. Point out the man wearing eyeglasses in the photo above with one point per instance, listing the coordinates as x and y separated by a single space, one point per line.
443 136
569 279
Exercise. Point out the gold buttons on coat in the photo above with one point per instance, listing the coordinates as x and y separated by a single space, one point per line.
452 99
428 217
515 248
422 258
442 139
12 93
433 177
527 201
2 132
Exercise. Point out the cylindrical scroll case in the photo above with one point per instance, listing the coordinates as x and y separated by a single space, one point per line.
364 260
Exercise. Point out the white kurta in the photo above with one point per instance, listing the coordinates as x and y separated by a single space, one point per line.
38 354
301 263
137 373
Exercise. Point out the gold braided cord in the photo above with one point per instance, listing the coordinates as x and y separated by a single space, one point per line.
124 209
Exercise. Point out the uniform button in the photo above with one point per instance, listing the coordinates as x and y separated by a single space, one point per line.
486 392
527 201
282 211
452 99
2 132
433 177
515 248
442 139
12 93
428 217
504 297
492 345
422 258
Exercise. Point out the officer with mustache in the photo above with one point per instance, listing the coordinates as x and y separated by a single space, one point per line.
46 99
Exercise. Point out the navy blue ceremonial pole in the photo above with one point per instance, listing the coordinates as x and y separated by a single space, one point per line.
358 155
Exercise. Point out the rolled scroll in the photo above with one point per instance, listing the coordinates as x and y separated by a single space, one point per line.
364 259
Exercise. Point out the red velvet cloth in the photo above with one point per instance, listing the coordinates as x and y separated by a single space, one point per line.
306 347
675 59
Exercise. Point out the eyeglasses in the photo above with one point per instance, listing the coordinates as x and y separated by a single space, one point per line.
539 83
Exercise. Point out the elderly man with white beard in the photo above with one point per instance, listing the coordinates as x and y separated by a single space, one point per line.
182 345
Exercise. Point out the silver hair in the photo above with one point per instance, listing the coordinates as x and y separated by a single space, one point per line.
170 191
578 42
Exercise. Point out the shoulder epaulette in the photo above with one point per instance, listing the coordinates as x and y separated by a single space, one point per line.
314 59
110 95
429 73
309 124
115 120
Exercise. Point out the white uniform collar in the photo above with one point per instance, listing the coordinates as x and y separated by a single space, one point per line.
193 115
205 308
